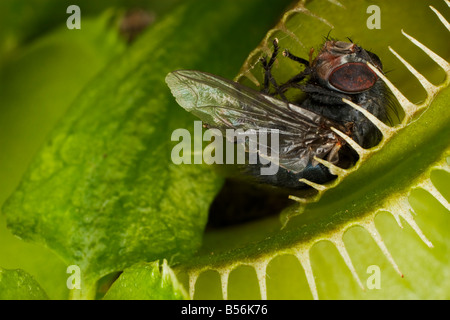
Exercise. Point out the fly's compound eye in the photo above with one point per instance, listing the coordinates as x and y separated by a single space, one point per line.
352 77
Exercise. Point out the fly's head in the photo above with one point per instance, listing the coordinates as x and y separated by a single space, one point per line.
342 67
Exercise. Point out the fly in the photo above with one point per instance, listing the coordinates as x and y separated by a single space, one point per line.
338 71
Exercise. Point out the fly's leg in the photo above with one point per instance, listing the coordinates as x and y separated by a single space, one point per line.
293 82
268 77
267 66
289 55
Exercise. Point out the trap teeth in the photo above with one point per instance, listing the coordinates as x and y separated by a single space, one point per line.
299 200
335 170
371 228
428 186
359 150
440 61
318 187
385 130
441 17
408 107
339 244
427 85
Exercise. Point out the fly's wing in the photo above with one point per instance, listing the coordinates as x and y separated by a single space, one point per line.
224 104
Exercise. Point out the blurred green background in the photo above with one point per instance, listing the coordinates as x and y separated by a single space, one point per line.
43 67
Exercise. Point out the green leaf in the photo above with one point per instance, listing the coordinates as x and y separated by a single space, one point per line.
19 285
146 281
62 62
103 192
37 86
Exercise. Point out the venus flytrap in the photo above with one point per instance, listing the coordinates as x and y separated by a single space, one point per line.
377 183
